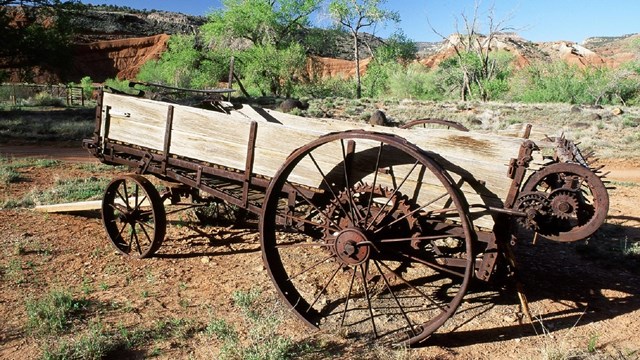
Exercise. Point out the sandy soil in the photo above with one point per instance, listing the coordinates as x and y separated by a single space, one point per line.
574 298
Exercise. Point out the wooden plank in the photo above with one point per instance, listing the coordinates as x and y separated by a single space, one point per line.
477 162
70 207
89 205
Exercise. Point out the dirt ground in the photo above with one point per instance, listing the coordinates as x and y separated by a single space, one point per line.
580 302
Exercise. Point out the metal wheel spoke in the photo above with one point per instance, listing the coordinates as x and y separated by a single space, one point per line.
430 264
395 191
375 179
135 203
406 282
300 245
316 264
146 234
386 282
124 226
324 287
324 180
346 303
428 237
411 213
135 235
143 224
366 293
140 203
308 201
354 213
124 199
117 208
305 221
126 194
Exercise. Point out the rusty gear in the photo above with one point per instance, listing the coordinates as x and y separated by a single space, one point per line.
536 206
361 193
564 203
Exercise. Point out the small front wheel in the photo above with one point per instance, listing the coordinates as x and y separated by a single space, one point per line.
133 216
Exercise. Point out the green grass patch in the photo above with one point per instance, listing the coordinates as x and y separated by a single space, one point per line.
72 190
46 124
94 344
262 339
8 176
53 313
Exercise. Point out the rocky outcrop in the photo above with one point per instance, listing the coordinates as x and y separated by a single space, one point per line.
322 67
117 58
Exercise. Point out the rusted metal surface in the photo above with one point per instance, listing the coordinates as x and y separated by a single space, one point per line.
133 216
448 124
564 202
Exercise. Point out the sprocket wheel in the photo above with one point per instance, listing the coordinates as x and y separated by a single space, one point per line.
564 203
578 199
537 207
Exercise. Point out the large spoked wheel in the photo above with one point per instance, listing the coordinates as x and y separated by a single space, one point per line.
364 234
134 216
576 202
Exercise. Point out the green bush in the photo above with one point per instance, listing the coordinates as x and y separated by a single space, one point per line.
564 83
415 82
337 86
46 99
53 313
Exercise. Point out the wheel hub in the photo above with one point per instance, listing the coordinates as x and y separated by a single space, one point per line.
352 246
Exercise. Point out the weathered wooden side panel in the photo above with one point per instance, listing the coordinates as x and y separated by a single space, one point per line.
477 162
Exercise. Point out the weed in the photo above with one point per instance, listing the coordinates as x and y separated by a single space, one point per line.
73 190
263 341
628 122
86 286
592 343
104 286
222 330
14 272
53 313
150 277
184 303
9 176
93 345
19 247
144 294
174 328
630 248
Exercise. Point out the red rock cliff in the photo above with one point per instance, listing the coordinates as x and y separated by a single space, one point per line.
117 58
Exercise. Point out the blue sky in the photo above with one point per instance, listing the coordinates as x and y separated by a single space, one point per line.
535 20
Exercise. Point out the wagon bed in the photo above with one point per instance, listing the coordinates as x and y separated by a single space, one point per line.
265 138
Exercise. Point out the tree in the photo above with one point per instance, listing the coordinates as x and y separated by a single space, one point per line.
269 56
34 39
261 21
355 15
473 52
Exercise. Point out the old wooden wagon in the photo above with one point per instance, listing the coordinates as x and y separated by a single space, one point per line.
376 230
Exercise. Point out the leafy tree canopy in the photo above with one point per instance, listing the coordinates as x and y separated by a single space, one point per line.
261 21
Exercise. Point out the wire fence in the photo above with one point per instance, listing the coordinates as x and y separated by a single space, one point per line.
36 94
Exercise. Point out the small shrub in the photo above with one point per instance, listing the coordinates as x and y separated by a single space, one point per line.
263 341
53 313
94 345
8 176
45 99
